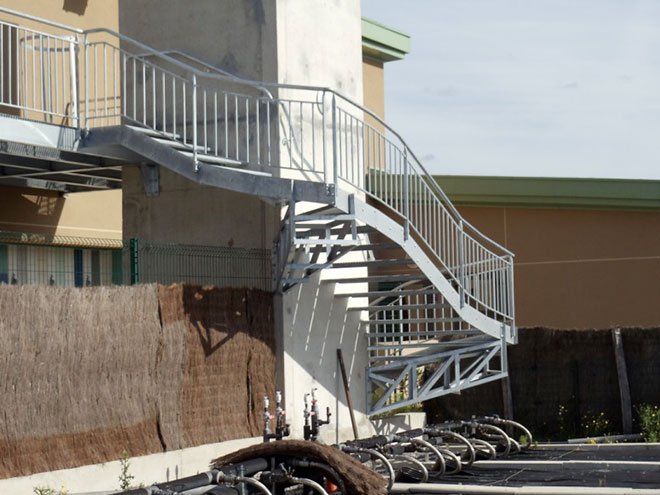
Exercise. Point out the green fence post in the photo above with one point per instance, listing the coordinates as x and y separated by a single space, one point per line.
135 262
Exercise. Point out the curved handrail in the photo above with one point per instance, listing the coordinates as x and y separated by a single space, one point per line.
262 86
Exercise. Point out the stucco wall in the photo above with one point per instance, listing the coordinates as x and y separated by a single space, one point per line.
238 36
319 43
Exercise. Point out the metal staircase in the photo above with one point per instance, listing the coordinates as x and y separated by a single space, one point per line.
439 294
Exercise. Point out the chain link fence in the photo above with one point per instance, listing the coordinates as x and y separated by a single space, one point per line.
47 259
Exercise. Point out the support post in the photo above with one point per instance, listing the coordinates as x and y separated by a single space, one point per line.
73 76
340 358
461 262
507 397
86 76
134 260
624 386
334 141
406 191
194 122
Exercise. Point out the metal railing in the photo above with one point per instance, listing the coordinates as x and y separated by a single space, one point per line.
305 132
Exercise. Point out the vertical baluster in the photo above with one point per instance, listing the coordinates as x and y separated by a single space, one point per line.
257 104
215 121
134 89
247 130
174 133
206 143
236 125
302 139
154 96
163 90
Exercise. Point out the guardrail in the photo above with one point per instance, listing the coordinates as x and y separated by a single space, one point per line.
98 77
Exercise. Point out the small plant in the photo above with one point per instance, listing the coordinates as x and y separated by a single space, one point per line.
565 426
649 422
46 490
596 425
125 476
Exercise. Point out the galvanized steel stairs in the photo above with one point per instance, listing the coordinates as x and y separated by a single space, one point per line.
436 295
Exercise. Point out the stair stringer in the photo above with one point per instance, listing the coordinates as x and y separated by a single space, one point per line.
234 179
392 229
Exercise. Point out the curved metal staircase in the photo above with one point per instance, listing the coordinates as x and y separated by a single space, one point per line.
436 296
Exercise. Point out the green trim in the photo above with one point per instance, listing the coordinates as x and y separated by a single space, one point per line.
4 264
382 42
117 267
550 192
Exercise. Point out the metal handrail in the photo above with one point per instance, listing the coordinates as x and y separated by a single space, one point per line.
262 85
465 247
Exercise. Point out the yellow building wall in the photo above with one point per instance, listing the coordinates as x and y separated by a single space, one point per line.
94 214
30 52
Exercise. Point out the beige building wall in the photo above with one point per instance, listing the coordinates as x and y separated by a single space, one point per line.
579 268
94 214
373 79
83 14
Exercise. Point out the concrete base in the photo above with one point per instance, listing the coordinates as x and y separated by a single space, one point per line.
399 422
148 469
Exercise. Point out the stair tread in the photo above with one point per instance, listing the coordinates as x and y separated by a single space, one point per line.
377 278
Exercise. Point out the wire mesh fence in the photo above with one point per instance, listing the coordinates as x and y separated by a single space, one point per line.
78 262
206 265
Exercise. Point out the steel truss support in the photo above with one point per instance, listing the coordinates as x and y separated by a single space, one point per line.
417 379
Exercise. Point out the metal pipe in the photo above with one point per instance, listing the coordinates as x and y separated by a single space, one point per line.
515 490
310 483
454 459
482 444
234 479
418 464
440 466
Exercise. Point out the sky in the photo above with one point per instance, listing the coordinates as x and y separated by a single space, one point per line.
545 88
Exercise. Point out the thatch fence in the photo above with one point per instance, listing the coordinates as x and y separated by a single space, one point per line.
88 373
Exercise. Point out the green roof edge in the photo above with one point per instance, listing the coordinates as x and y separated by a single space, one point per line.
552 192
383 42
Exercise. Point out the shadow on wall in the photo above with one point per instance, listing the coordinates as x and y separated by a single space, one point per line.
317 323
33 210
75 6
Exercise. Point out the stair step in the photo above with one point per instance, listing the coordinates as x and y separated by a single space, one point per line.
376 247
321 229
401 307
319 216
377 278
396 347
435 333
307 266
217 160
178 145
369 263
392 293
324 242
147 131
403 321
